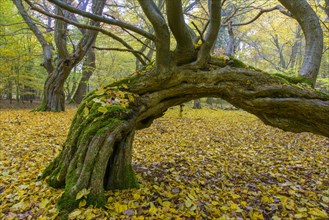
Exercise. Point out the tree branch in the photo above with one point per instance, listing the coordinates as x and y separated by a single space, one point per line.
84 26
212 33
46 46
60 34
102 19
162 42
184 48
312 30
262 11
124 50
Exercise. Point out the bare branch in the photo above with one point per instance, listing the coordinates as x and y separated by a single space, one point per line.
102 19
124 50
46 46
262 11
89 27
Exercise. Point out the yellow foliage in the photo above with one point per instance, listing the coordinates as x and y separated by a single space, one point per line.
209 164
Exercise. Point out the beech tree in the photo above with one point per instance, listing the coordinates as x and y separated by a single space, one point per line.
59 69
97 153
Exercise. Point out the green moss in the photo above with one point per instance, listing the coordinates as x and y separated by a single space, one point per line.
293 79
237 63
96 200
67 203
41 108
110 124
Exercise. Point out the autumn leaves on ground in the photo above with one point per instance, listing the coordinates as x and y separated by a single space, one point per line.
208 164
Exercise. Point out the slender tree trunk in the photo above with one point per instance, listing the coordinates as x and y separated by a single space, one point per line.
197 104
88 68
295 49
229 51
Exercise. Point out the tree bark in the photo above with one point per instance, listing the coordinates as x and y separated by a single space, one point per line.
197 104
54 96
88 68
312 30
97 153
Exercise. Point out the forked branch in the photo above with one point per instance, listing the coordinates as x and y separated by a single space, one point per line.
162 41
212 32
178 27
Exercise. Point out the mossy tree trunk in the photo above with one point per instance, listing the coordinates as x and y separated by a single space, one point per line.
97 153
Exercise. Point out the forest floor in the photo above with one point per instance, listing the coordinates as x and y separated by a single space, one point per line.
208 164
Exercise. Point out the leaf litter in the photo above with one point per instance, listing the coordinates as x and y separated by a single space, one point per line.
208 164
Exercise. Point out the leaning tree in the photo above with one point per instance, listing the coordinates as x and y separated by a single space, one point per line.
97 153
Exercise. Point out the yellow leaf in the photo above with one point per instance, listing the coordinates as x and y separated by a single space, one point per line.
101 91
235 196
300 215
82 203
166 204
234 206
188 203
102 109
256 216
325 199
124 86
153 210
302 209
75 214
85 112
43 203
319 213
137 196
82 193
131 98
224 208
119 208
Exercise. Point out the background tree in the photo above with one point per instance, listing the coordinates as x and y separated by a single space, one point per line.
21 77
54 97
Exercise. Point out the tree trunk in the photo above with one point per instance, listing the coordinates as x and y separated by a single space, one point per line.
197 104
54 96
87 70
230 48
97 153
312 30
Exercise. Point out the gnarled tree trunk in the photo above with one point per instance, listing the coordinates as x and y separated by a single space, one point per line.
54 96
97 152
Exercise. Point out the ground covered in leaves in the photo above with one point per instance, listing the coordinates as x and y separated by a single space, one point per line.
208 164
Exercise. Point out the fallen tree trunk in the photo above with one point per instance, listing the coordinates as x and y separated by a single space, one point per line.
97 153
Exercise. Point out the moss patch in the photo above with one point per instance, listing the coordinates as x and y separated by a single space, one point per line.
293 79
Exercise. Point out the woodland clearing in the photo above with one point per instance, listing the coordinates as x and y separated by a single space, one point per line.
207 164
